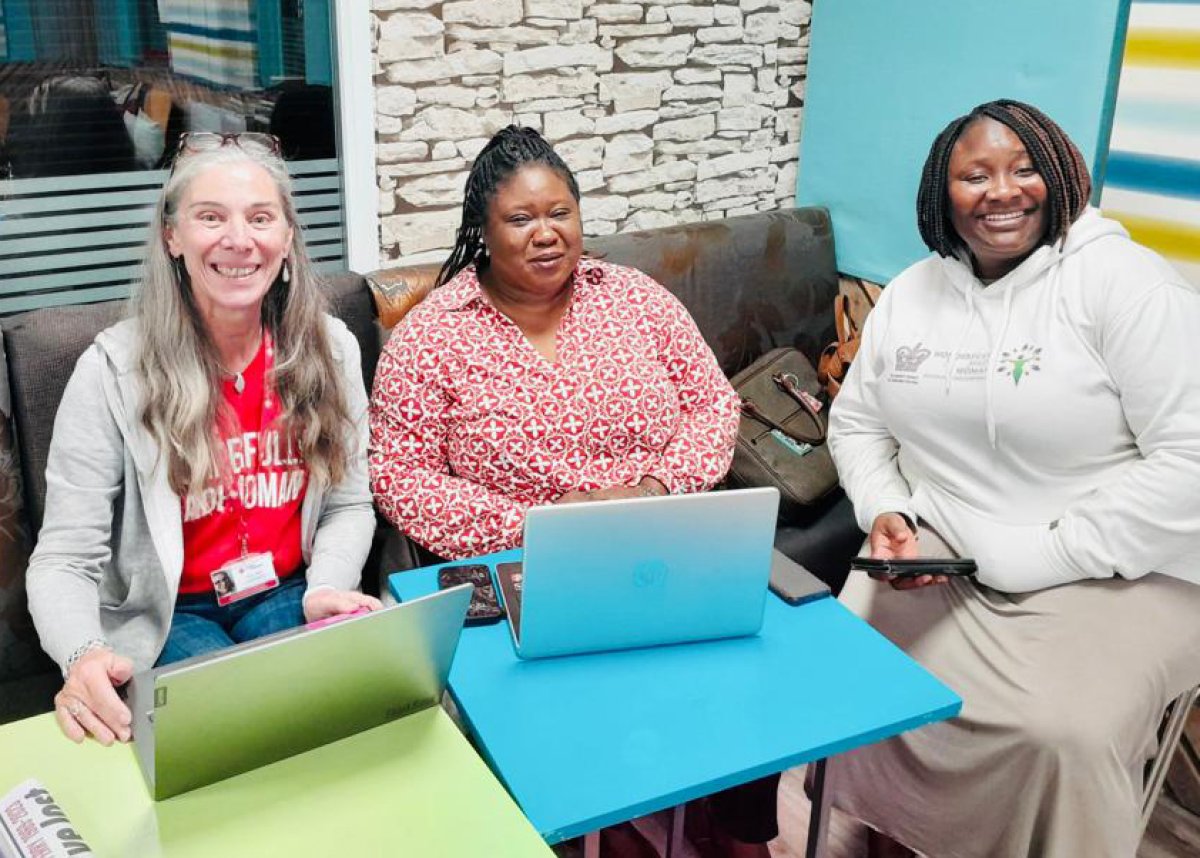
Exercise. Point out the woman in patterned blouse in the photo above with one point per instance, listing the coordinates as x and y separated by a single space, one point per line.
532 376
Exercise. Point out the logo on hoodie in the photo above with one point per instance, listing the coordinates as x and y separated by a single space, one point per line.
910 358
1020 362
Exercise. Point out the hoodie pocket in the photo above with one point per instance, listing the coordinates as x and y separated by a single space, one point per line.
1012 557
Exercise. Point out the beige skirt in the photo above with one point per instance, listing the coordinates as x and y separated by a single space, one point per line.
1063 691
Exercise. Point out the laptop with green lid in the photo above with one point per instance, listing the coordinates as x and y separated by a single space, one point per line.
208 718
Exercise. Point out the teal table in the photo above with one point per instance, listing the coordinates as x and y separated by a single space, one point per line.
587 741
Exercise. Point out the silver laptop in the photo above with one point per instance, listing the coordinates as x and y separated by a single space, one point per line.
208 718
640 572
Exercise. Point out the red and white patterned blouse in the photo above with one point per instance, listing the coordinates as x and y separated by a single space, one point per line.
470 425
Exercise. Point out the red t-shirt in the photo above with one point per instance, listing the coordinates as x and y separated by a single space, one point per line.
264 487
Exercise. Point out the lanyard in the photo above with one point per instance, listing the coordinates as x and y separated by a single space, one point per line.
265 416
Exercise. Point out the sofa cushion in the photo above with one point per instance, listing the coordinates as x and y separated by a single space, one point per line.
20 654
350 300
42 348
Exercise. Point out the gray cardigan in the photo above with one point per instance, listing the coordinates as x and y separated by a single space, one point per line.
110 552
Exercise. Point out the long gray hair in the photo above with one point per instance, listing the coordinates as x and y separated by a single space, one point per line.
177 363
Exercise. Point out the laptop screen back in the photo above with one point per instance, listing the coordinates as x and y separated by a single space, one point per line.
213 718
646 571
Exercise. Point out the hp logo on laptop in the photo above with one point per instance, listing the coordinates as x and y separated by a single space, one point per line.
649 573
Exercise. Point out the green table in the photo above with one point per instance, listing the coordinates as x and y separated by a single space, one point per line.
413 787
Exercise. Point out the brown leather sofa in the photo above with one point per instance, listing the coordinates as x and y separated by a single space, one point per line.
752 283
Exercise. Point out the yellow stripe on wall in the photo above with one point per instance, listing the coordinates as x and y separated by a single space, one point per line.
1170 238
1172 48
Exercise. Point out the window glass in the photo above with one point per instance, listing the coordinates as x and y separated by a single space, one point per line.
93 97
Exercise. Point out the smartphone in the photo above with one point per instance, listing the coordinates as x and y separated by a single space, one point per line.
485 607
512 581
792 582
918 566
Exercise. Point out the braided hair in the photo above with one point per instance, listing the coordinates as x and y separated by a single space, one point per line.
1057 160
508 151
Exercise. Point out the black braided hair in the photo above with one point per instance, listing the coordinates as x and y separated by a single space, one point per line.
508 151
1054 156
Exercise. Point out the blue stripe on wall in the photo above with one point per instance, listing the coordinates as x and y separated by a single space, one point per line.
1151 174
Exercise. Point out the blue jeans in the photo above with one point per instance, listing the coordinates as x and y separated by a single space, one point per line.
200 625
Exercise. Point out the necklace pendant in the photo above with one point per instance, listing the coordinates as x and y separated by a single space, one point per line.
239 383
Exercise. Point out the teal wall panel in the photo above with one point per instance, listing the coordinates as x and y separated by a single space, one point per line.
884 77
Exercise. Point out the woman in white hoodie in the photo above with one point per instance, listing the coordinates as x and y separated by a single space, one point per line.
1028 395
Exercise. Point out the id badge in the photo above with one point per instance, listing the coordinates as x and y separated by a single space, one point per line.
245 576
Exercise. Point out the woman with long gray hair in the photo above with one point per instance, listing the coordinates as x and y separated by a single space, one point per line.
206 482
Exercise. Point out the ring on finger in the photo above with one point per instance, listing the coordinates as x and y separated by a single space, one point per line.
74 708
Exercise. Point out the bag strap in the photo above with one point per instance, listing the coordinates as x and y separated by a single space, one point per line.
858 281
751 410
843 321
788 385
847 328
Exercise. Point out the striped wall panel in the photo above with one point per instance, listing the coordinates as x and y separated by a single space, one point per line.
78 239
214 41
1152 182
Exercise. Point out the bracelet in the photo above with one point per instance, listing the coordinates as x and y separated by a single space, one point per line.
647 492
81 651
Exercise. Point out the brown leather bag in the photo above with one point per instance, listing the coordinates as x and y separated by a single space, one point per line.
836 357
781 437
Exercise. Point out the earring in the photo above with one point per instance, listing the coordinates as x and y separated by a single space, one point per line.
180 271
286 274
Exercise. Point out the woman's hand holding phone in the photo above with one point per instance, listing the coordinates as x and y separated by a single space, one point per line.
891 538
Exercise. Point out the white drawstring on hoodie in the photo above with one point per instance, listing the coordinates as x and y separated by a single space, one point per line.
969 295
969 283
989 409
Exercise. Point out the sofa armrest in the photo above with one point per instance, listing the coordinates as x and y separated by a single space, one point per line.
397 290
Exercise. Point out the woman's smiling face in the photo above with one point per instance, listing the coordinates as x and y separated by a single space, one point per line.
997 197
231 232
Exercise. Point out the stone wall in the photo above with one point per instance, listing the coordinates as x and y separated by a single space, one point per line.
668 111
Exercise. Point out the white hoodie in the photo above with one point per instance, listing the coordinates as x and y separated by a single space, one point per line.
1047 424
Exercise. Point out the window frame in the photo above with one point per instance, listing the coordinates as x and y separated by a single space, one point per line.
355 89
